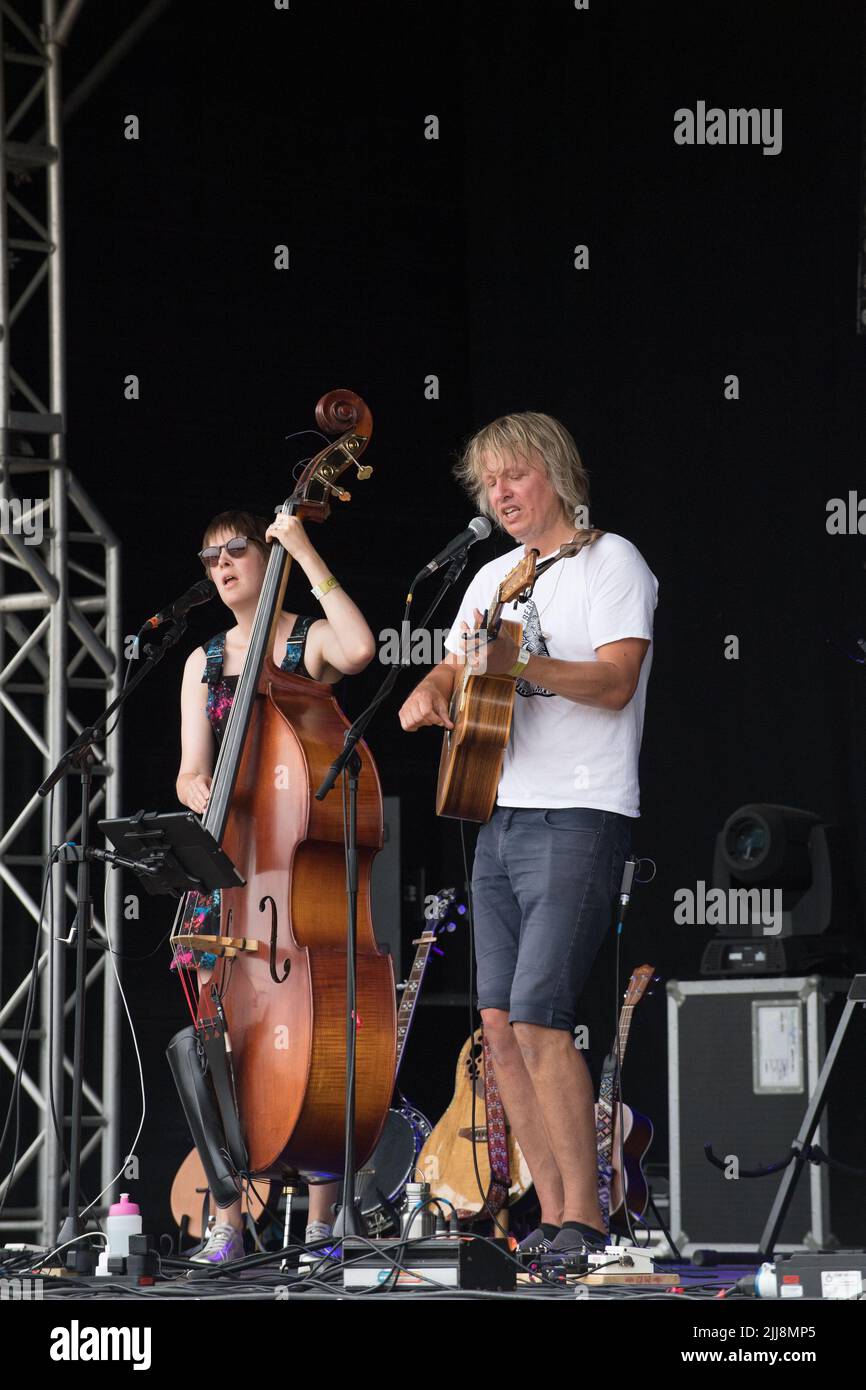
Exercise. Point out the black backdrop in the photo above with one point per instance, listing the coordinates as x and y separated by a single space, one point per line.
453 257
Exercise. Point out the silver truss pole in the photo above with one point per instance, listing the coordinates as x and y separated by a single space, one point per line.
55 825
57 613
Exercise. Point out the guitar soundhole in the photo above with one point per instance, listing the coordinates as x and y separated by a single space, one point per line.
473 1063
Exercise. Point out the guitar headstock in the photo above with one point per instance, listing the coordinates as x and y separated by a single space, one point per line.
437 907
639 983
519 582
521 578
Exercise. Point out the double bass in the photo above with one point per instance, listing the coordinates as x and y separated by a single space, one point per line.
261 1068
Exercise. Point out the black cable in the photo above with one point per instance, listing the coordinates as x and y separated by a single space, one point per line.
472 1025
618 1101
124 955
58 1127
395 1261
29 1007
206 1275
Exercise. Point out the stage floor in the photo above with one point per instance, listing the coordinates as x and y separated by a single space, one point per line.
266 1285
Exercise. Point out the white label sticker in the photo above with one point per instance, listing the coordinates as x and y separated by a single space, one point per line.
778 1044
841 1283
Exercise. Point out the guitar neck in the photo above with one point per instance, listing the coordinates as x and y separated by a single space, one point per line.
639 983
410 993
520 581
625 1020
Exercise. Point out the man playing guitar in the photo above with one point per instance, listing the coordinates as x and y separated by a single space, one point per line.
549 862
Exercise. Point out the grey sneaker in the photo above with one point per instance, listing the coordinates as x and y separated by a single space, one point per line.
317 1232
533 1246
571 1249
224 1243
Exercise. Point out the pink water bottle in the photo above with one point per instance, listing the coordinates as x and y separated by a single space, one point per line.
124 1220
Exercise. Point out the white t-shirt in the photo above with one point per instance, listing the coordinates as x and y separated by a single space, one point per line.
561 753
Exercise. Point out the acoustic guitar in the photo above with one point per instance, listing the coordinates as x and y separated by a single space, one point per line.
630 1178
618 1182
482 706
446 1160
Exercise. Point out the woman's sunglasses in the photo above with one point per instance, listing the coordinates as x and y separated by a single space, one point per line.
234 547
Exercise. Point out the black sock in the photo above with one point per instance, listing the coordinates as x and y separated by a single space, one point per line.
549 1229
584 1229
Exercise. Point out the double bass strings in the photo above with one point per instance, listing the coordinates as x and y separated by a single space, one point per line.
216 812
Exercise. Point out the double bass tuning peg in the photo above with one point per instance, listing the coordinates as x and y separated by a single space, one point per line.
327 472
339 492
351 445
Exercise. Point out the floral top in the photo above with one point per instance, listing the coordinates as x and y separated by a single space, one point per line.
221 689
202 911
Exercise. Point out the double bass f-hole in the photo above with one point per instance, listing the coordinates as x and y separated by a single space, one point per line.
272 958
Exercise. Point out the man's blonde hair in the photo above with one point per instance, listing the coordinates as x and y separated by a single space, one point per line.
519 435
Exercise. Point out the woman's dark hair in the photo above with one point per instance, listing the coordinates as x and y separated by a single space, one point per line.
239 524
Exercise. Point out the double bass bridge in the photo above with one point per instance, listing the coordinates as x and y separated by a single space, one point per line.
218 945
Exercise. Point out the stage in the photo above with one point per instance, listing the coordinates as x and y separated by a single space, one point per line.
433 665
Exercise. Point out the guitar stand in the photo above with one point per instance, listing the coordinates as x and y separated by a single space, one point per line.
662 1226
779 1209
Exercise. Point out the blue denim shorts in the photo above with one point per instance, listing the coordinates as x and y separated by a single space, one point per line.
544 888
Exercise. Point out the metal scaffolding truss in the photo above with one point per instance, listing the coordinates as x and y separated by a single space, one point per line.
60 645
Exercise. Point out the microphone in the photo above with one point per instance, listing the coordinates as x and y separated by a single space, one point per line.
628 873
71 853
478 529
198 593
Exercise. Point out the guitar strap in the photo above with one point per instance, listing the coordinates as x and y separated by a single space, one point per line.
607 1096
587 538
497 1141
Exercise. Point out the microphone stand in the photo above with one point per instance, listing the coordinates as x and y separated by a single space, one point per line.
350 1221
80 756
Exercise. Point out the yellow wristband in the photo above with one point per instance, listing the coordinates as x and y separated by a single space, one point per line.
325 587
521 663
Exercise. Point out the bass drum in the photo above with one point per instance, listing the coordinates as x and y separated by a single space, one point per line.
381 1183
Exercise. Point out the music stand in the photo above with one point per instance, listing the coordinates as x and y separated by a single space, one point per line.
174 851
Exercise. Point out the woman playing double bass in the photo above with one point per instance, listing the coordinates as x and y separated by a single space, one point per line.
235 554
